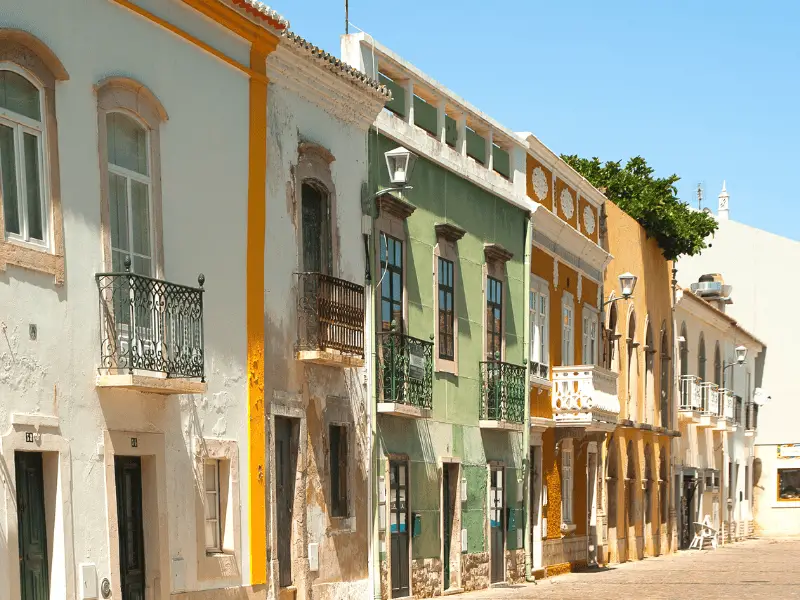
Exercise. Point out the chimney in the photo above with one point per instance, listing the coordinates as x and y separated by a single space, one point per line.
722 207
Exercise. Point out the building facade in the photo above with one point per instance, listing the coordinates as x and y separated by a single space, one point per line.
717 363
638 347
759 307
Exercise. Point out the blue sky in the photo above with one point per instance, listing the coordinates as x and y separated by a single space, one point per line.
708 90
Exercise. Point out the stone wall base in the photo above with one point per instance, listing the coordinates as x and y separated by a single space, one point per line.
515 566
475 571
426 577
243 592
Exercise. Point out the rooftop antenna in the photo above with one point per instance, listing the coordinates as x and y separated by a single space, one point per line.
699 197
346 17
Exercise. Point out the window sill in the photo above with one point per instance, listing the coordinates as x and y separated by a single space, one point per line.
32 258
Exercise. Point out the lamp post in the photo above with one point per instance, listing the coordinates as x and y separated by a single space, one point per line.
741 356
400 165
627 283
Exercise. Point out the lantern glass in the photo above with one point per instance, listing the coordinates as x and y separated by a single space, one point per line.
741 354
400 164
627 282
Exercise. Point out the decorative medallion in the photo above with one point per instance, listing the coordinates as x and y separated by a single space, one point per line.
567 203
588 219
539 180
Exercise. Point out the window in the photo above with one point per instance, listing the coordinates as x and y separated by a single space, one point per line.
21 159
747 482
717 366
129 192
684 350
338 469
494 319
391 283
701 358
446 310
788 484
540 315
316 229
212 506
566 481
567 330
589 336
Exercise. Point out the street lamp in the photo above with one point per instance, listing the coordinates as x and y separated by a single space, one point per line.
741 354
627 283
400 164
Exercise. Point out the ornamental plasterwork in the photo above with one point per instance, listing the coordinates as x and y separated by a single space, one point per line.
580 287
588 220
567 203
539 180
555 273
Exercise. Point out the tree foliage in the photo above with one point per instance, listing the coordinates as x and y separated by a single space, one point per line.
652 201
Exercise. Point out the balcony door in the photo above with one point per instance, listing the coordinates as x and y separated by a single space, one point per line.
316 230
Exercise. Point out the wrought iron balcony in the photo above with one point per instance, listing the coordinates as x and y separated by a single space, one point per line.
502 395
330 320
405 375
585 395
751 417
151 333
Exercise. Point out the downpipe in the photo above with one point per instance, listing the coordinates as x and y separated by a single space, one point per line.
526 430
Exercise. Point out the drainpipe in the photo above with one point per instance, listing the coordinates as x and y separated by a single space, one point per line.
526 430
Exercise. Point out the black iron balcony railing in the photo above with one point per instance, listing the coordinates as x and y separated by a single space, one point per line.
330 314
751 416
150 325
502 392
405 370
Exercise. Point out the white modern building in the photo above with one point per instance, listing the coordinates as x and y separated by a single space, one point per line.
160 165
716 361
756 263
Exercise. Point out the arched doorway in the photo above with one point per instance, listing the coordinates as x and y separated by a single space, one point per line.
663 502
664 387
647 516
612 477
630 502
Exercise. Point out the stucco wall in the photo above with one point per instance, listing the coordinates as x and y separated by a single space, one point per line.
204 189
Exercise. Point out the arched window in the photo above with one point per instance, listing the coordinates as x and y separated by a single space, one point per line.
612 476
717 365
648 481
31 233
701 357
612 340
664 386
129 122
633 367
649 375
684 346
316 251
664 486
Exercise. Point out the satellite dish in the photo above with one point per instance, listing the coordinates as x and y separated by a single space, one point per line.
760 397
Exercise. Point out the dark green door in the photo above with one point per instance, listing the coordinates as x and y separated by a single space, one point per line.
33 575
285 469
128 471
398 510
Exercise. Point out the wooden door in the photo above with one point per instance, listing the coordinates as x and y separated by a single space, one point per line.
31 527
130 522
285 466
398 507
497 526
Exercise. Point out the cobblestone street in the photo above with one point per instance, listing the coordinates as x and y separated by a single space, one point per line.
753 569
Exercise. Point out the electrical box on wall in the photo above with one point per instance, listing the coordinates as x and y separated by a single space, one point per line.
464 541
313 557
416 525
464 489
511 518
382 490
88 582
178 574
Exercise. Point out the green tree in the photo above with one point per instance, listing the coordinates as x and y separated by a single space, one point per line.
652 201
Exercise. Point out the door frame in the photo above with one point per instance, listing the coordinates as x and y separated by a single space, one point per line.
455 541
399 458
44 431
490 467
592 476
150 448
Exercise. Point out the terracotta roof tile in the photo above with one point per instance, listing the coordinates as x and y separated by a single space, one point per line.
261 10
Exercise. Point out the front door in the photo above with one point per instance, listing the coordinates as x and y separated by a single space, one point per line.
398 506
687 511
31 526
285 466
128 474
497 509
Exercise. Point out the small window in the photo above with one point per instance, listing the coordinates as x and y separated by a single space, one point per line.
391 278
788 484
21 160
566 483
540 315
338 469
446 310
212 507
567 333
494 319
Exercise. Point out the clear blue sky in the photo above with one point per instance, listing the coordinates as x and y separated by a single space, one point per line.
707 89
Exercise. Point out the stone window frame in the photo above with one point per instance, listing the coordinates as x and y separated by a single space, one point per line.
133 99
338 412
447 237
495 259
43 68
541 288
391 220
314 167
226 564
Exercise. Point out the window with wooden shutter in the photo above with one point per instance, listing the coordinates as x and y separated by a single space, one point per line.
338 470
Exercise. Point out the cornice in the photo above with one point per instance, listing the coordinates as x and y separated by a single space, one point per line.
287 68
449 232
394 206
496 253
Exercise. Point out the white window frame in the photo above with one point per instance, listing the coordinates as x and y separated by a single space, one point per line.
129 177
22 124
216 546
591 320
567 480
539 333
567 329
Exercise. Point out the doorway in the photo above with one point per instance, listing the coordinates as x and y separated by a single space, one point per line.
31 526
591 503
451 526
130 521
398 506
536 506
688 510
285 467
496 525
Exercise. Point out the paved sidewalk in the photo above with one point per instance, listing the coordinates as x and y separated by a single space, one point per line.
753 569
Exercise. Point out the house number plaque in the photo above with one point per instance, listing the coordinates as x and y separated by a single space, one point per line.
134 442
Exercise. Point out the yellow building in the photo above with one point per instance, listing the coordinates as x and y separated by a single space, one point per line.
637 345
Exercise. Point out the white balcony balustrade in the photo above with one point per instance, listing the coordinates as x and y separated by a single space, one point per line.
585 396
690 399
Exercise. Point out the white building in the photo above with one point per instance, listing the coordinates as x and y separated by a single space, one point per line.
136 408
717 362
755 263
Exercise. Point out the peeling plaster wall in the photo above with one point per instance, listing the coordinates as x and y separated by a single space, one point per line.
324 394
204 189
